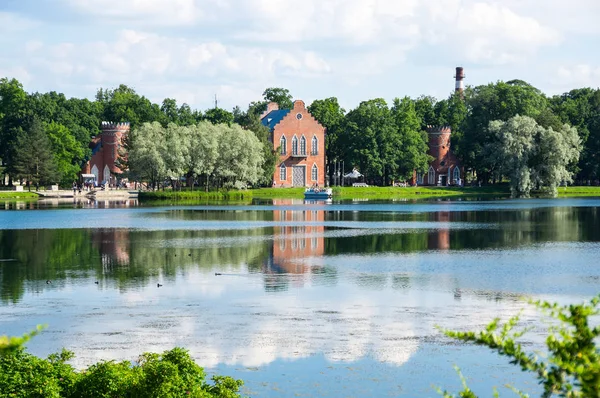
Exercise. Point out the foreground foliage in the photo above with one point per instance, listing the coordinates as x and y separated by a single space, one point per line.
571 367
170 374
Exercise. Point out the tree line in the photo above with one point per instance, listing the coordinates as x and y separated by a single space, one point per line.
385 142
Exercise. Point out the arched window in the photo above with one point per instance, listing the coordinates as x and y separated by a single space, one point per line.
419 178
456 174
448 180
302 146
314 173
282 172
294 145
283 145
431 176
314 150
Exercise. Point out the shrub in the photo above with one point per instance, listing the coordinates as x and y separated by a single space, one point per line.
171 374
572 366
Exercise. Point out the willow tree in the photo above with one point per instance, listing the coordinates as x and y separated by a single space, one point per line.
533 157
145 158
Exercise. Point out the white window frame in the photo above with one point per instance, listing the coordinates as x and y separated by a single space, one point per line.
282 172
314 150
431 176
294 145
456 174
302 145
314 172
283 145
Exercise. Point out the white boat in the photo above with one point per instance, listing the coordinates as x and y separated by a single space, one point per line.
318 193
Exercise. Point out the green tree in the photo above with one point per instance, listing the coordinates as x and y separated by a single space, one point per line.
240 158
412 141
218 116
452 112
123 104
33 159
531 156
13 116
68 154
170 111
425 108
581 109
279 95
145 157
330 114
371 140
495 101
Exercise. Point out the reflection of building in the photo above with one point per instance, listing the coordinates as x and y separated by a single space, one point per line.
299 237
112 245
440 239
301 142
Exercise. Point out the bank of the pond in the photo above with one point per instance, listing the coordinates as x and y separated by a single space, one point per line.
384 193
346 193
18 195
190 196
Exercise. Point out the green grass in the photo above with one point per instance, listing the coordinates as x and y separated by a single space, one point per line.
194 196
385 192
578 191
270 193
18 195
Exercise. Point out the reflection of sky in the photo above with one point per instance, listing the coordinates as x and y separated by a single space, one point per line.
229 319
375 311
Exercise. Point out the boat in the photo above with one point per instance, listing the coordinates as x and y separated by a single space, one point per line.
318 193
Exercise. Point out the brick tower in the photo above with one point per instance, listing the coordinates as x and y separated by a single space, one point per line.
445 168
105 152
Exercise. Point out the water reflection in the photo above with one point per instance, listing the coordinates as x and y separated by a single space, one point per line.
295 279
64 203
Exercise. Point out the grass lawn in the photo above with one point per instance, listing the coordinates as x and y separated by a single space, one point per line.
578 191
385 192
18 195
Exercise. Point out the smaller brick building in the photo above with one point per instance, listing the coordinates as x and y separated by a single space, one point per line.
445 168
105 151
301 142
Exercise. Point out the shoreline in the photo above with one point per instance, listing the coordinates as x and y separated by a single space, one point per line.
340 193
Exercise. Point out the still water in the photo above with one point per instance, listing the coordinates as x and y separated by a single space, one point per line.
295 298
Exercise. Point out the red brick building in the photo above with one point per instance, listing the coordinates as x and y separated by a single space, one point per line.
301 142
445 168
105 151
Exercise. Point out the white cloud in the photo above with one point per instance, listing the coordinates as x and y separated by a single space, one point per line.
487 33
582 75
11 23
155 12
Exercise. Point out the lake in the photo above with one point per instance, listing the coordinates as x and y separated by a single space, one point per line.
295 298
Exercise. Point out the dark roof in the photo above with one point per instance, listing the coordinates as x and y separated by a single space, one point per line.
273 118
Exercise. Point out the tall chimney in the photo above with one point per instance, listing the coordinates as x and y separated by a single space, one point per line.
460 76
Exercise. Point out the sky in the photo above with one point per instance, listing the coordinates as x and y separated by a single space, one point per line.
355 50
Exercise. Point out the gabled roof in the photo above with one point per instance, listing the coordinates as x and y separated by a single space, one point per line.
274 117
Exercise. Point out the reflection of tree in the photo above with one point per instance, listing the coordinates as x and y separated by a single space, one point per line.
125 258
42 255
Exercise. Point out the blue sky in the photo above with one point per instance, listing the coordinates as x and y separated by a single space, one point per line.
355 50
